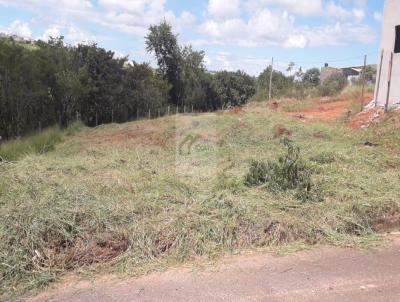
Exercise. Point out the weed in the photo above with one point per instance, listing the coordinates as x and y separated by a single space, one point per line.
287 174
324 158
281 130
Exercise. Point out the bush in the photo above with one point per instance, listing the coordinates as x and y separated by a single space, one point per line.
234 88
333 85
289 173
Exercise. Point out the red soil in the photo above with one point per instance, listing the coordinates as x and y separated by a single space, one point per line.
328 109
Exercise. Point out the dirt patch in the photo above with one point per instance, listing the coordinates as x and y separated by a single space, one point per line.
280 131
156 135
235 110
323 108
387 224
273 105
100 250
366 118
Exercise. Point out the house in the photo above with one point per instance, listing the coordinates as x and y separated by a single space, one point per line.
327 71
350 73
387 89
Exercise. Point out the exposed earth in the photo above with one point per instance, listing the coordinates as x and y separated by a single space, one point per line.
324 274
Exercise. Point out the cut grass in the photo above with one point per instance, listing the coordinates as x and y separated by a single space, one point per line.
142 204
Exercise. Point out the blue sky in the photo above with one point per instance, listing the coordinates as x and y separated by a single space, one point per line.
235 34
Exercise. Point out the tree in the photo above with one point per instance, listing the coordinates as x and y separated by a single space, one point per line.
290 68
280 83
311 77
193 77
234 88
334 84
164 45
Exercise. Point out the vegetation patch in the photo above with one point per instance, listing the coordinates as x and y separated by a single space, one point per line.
128 209
288 173
39 143
281 130
324 158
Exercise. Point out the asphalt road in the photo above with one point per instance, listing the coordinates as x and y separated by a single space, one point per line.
326 274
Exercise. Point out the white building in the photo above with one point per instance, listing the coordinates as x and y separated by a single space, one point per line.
390 47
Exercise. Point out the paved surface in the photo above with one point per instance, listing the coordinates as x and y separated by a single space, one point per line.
327 274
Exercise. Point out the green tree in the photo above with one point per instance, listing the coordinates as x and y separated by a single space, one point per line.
311 77
234 88
164 45
333 85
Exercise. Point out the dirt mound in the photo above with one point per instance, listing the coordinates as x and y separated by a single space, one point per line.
273 105
366 118
235 110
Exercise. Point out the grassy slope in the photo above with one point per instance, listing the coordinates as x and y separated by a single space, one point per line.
136 187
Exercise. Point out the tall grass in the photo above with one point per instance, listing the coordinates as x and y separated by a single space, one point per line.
38 143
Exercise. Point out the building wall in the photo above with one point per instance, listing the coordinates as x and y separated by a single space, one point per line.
327 71
391 19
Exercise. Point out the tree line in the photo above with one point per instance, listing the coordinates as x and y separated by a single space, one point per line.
49 83
52 83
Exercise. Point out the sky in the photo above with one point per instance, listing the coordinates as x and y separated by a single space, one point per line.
235 34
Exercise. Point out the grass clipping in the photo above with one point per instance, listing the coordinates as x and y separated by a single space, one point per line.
288 173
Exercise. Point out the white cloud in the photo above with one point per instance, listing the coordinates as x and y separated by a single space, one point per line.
296 41
71 34
51 32
378 16
65 5
254 32
273 22
337 11
221 10
300 7
128 16
358 14
264 23
19 28
253 65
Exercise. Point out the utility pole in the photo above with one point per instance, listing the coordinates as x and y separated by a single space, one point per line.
270 79
363 83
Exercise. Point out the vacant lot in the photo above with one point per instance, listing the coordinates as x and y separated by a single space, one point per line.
142 196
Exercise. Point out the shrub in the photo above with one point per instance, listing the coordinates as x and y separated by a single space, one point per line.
333 85
289 173
234 88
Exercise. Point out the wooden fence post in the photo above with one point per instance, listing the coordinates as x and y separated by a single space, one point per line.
363 83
